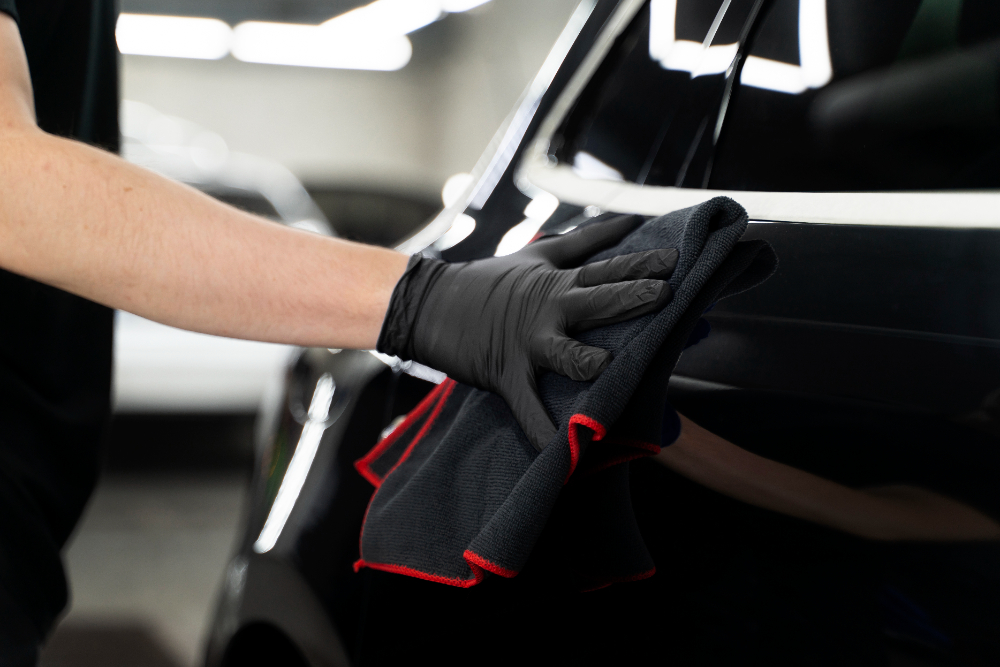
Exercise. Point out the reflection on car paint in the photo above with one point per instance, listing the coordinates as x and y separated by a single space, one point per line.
298 468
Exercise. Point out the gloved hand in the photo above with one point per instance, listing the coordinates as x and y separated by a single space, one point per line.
492 323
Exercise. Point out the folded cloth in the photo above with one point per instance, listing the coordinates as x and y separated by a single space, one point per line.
462 493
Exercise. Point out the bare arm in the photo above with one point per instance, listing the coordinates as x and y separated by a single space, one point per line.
90 223
884 513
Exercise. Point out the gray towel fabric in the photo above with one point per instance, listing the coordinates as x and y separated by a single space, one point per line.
462 493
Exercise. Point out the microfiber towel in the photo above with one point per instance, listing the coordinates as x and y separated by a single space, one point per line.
461 492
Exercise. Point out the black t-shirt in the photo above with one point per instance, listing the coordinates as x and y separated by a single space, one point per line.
55 348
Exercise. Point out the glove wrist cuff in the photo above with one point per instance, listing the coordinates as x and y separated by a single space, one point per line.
396 336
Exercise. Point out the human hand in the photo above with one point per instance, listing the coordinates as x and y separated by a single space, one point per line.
493 323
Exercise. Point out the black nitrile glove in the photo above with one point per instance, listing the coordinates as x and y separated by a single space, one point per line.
492 323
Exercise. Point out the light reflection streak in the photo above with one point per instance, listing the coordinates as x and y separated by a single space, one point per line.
699 59
298 468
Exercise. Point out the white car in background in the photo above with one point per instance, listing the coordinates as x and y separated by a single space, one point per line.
160 369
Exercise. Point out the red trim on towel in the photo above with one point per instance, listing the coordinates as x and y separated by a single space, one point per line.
574 442
479 566
478 574
444 389
621 580
363 465
475 560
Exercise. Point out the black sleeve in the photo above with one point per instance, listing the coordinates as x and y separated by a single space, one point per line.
9 7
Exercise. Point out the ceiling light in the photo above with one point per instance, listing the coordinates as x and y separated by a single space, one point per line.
316 46
455 6
173 36
386 17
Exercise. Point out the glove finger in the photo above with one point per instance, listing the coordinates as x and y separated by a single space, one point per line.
659 263
530 413
573 247
587 308
574 359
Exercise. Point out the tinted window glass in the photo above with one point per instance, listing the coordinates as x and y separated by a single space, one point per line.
651 109
838 95
894 95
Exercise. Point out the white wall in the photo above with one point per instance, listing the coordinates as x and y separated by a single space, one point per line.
405 130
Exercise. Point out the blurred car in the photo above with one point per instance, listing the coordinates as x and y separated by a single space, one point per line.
864 141
161 369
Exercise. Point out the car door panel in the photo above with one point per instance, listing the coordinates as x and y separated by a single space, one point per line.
883 314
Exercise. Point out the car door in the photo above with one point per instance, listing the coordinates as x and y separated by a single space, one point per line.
864 142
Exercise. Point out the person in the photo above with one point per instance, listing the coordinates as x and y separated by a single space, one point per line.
82 232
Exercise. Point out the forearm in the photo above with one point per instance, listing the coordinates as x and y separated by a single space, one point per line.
889 513
90 223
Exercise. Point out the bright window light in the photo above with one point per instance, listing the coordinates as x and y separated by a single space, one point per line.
316 46
173 36
455 187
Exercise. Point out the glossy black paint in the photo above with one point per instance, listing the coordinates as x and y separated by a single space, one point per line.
910 310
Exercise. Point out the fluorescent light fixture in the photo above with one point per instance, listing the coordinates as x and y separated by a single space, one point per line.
455 187
518 236
384 18
317 46
173 36
814 70
460 230
541 207
298 467
372 37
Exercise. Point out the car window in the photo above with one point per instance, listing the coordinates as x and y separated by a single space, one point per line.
825 96
652 105
895 95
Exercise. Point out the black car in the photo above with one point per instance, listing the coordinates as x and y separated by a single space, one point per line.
864 141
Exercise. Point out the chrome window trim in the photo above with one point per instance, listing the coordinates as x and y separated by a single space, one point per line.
538 172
